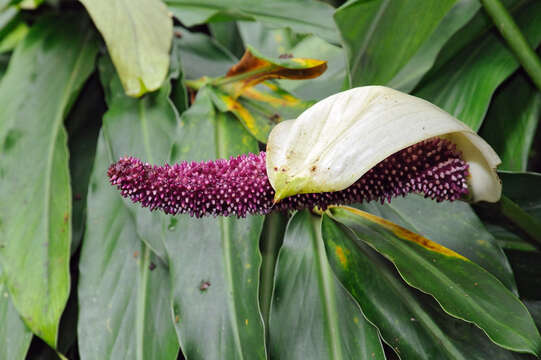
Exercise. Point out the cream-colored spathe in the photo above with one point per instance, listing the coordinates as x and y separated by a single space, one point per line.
337 140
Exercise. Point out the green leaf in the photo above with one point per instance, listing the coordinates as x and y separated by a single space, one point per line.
12 31
303 16
227 34
465 84
214 262
462 288
511 122
527 267
410 74
201 55
312 316
381 36
524 189
124 310
35 206
412 323
276 42
143 128
138 35
451 224
15 337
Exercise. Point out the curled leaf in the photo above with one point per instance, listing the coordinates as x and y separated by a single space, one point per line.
336 141
254 68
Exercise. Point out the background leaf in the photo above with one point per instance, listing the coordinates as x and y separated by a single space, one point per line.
451 224
312 316
35 212
138 35
379 37
124 309
303 16
15 337
463 289
465 84
511 122
275 42
412 323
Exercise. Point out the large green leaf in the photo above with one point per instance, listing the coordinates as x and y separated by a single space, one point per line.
463 289
124 308
138 35
35 196
464 86
227 34
303 16
408 77
381 36
276 42
143 128
202 55
312 316
511 122
14 335
412 323
214 262
451 224
517 217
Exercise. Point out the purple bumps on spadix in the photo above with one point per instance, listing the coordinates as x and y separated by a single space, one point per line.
240 186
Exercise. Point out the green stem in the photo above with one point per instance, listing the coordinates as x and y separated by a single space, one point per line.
521 218
516 41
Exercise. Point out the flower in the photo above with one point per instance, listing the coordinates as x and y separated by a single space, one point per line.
240 185
336 141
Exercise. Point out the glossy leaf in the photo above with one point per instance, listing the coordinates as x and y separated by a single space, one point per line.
380 37
465 85
451 224
527 267
303 16
462 288
214 262
227 34
525 190
143 128
410 74
276 42
511 122
35 211
124 308
201 55
12 33
320 151
412 323
15 337
138 35
312 316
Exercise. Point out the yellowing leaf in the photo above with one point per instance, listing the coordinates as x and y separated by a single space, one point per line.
254 68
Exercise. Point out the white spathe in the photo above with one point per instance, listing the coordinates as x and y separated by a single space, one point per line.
337 140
